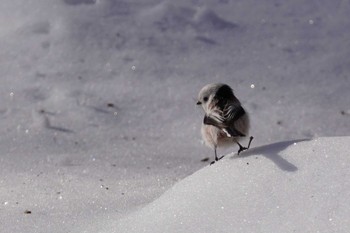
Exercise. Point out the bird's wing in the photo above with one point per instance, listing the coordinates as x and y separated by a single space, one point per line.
230 130
210 120
225 119
233 112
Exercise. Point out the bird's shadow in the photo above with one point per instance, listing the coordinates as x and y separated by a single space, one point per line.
271 152
60 129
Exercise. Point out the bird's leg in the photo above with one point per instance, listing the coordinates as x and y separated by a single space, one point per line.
242 148
216 157
250 141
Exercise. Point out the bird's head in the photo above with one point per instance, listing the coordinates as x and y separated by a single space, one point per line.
211 94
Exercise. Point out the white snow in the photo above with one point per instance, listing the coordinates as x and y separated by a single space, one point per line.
97 106
289 186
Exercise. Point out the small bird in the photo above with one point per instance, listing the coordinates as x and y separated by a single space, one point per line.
225 121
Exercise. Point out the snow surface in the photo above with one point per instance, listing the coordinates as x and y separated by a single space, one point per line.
289 186
97 105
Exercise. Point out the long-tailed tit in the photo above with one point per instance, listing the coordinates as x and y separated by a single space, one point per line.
225 121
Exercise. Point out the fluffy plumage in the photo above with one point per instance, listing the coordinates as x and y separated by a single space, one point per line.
225 121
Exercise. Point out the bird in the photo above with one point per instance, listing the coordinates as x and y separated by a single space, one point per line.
225 120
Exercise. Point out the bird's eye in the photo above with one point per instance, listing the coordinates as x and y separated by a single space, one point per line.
205 99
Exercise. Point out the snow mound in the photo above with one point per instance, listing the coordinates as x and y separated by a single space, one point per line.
290 186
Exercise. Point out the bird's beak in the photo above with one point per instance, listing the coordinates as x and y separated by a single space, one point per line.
199 103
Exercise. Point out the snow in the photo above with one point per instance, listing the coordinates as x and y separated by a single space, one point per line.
289 186
98 115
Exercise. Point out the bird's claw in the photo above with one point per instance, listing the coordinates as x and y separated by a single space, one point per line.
216 159
242 148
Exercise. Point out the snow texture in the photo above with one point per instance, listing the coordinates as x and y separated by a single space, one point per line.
289 186
97 107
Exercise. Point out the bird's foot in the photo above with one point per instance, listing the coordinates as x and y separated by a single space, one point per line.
216 159
242 148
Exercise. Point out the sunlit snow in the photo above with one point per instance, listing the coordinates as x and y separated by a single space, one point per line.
98 114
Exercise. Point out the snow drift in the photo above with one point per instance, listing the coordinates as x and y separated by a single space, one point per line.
290 186
90 131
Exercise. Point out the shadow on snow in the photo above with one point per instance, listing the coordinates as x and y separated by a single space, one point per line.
272 152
